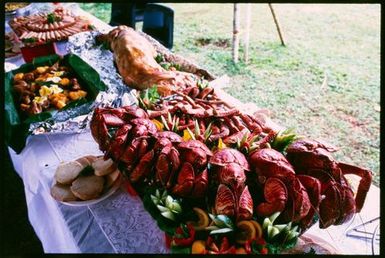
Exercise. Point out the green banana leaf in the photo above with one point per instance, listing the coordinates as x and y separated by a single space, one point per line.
17 124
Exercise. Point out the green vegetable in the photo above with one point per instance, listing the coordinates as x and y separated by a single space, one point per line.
202 83
29 40
159 58
222 224
165 224
87 171
51 18
149 97
283 139
167 206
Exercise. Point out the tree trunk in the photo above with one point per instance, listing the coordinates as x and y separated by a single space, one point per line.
236 33
247 32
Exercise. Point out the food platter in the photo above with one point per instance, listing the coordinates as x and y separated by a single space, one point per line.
15 118
11 8
102 197
87 180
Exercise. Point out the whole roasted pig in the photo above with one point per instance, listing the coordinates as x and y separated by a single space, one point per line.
135 60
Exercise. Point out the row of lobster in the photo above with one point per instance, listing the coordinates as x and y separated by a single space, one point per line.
304 183
225 153
193 104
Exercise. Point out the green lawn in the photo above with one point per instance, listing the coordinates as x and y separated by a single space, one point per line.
325 82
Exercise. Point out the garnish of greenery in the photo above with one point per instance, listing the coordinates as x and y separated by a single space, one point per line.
283 139
171 120
167 66
279 237
163 223
149 97
159 58
51 18
247 144
222 224
168 206
202 83
197 134
87 171
29 40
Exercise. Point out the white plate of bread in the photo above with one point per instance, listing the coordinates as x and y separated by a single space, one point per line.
85 181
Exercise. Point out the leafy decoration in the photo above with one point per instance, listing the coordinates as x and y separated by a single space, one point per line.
283 139
51 18
149 97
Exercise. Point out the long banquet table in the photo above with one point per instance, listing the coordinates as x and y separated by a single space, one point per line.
119 223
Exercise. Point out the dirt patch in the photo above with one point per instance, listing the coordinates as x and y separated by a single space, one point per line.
222 43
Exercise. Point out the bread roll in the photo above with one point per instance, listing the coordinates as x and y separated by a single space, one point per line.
86 160
103 167
111 178
68 172
87 187
62 193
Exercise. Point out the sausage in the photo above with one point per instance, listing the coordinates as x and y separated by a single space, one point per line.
56 26
39 36
52 34
57 35
62 34
44 36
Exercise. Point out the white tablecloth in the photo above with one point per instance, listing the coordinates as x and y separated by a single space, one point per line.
119 224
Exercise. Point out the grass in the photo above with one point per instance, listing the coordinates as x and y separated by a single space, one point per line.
325 82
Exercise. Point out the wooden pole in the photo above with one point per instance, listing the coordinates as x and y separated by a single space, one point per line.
276 24
247 32
235 33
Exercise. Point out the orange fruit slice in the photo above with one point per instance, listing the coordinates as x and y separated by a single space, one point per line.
158 125
240 250
258 228
246 231
203 219
198 247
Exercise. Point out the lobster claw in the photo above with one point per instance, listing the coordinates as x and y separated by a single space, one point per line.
225 201
245 205
134 152
166 165
115 149
185 180
200 184
143 168
299 204
276 196
364 185
313 188
330 207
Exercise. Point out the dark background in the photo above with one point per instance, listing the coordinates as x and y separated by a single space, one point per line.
17 234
